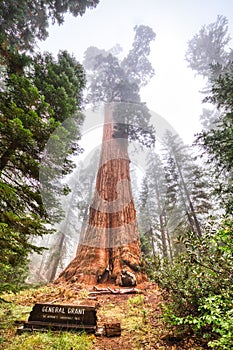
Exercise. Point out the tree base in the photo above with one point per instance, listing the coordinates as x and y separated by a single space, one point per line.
92 265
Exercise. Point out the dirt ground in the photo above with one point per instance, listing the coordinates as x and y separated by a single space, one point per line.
139 315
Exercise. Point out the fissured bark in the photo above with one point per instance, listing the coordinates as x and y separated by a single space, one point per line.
109 250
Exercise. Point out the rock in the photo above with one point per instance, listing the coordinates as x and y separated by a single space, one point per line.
127 279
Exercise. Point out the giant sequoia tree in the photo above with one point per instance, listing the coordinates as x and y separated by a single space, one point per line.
109 249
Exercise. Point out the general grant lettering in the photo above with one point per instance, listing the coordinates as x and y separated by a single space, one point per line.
53 309
76 311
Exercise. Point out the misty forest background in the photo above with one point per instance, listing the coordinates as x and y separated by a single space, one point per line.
184 201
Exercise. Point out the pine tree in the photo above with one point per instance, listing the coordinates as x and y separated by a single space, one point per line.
190 182
217 141
153 204
209 55
24 22
27 121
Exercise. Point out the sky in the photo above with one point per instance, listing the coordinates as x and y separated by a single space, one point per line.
174 92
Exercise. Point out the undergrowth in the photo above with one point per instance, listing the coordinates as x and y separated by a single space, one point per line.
50 341
199 286
12 316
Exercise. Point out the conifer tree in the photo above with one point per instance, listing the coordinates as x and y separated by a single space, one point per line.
110 247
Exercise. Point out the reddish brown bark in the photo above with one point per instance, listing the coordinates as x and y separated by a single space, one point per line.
110 249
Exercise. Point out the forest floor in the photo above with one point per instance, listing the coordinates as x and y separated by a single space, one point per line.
142 326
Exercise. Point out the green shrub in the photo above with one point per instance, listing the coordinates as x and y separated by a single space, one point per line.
12 278
199 285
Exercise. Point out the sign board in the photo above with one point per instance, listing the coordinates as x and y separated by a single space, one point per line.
66 317
112 329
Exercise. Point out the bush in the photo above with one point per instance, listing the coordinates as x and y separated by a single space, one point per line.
199 284
13 278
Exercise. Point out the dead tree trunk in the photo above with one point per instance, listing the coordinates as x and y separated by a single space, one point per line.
57 256
109 248
192 213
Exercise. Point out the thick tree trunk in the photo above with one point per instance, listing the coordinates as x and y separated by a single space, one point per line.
109 248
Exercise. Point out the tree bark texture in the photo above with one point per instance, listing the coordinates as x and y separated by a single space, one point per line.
109 248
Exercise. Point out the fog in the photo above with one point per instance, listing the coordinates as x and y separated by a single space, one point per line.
174 91
174 94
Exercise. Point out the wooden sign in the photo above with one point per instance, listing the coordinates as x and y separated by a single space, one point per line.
65 317
112 329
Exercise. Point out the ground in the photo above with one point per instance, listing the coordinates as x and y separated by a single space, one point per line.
139 313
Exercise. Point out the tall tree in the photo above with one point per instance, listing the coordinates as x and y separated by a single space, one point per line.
27 121
152 217
207 50
208 54
191 184
217 142
110 247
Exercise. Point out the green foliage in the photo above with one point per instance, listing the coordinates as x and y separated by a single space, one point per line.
37 95
136 64
13 311
27 121
199 285
136 301
15 247
22 131
207 55
217 142
13 278
216 313
114 80
137 307
134 122
110 79
174 197
60 81
146 249
21 23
